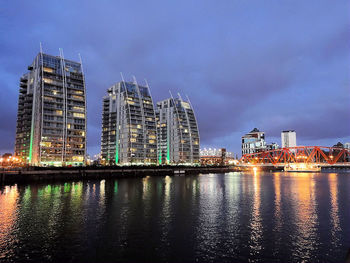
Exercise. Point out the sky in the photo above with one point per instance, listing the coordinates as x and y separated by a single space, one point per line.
275 65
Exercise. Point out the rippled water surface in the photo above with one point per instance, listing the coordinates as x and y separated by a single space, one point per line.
237 217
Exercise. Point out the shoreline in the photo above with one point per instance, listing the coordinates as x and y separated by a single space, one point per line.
35 174
51 174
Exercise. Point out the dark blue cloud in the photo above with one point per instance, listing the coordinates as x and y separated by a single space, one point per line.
243 64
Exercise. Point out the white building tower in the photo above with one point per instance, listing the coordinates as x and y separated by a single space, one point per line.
289 139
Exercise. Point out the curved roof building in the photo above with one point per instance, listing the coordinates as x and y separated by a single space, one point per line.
178 135
128 125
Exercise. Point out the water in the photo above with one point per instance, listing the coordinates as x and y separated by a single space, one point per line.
237 217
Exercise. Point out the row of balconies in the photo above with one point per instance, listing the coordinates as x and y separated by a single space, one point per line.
75 81
76 87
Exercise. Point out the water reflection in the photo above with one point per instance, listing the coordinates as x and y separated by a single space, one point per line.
255 223
303 200
278 215
8 220
235 217
334 214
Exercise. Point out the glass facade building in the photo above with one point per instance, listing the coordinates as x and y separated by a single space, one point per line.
253 142
129 133
178 135
51 119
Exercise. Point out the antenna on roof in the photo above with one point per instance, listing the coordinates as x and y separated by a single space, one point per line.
41 48
134 78
61 53
81 63
121 74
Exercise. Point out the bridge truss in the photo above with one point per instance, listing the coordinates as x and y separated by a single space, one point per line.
323 156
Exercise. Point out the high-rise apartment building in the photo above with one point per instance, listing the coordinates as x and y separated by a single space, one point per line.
253 142
128 125
289 139
178 136
51 119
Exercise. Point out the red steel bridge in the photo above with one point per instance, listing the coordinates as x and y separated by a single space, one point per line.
318 155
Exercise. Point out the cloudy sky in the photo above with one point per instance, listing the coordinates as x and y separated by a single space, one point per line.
274 65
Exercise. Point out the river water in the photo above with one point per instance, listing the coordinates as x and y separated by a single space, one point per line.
235 217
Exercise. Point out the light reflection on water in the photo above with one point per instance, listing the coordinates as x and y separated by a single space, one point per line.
259 217
305 238
255 223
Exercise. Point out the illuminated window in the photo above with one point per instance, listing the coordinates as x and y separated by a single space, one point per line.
59 112
46 80
79 115
78 108
151 136
133 140
139 126
78 158
45 144
48 69
151 141
77 97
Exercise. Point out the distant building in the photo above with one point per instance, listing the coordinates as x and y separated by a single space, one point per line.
6 155
289 139
51 119
272 146
128 125
178 135
253 142
215 152
216 157
347 145
338 145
